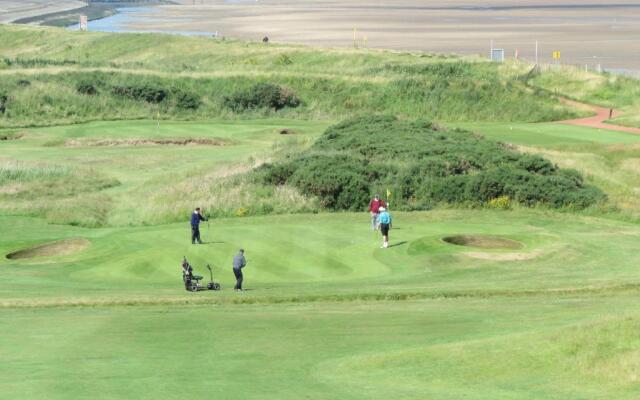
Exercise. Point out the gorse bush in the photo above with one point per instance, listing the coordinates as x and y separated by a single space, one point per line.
124 95
186 100
141 92
423 165
4 99
87 88
261 96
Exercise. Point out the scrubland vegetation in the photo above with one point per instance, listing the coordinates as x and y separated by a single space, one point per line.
75 77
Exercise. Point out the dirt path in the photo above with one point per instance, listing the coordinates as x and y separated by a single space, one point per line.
597 121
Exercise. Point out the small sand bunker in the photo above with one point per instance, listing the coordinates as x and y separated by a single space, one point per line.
504 256
483 242
11 136
57 248
147 142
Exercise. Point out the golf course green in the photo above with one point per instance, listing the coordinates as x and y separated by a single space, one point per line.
484 300
102 312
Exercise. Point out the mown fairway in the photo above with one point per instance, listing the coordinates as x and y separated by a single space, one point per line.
327 314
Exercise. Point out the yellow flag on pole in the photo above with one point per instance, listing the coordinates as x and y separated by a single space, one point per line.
388 194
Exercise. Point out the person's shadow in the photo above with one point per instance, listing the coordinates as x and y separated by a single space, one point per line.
398 244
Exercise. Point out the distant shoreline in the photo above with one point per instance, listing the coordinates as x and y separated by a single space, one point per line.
94 11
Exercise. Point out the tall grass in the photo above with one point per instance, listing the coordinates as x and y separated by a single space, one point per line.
478 95
58 193
608 90
331 84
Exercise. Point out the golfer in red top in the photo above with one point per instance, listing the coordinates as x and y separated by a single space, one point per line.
374 209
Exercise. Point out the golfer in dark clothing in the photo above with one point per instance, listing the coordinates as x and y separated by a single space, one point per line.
238 263
196 217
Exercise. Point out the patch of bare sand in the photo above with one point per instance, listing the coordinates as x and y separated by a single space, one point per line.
51 249
505 256
147 142
519 256
11 10
11 136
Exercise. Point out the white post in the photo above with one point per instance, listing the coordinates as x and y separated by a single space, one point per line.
491 50
536 52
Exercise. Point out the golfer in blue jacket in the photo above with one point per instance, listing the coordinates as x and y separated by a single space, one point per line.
196 217
384 224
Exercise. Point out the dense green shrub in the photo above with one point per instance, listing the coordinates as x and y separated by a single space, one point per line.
4 99
87 88
186 100
141 92
423 165
260 96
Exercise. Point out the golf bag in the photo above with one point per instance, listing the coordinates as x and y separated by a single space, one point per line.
192 281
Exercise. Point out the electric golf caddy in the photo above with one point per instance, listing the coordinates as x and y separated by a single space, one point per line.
192 282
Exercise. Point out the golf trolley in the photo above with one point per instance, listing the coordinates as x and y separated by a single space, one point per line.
192 281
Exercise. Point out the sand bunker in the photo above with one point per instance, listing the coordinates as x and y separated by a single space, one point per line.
57 248
504 256
11 136
147 142
483 242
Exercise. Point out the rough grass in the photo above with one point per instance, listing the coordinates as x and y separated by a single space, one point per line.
331 84
141 173
608 90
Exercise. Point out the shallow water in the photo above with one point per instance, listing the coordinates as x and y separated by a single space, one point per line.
127 15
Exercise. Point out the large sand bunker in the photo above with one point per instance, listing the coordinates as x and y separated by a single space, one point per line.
483 242
57 248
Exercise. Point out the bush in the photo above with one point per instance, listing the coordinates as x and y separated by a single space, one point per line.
424 165
284 59
260 96
142 92
338 181
501 203
4 99
536 164
86 88
186 100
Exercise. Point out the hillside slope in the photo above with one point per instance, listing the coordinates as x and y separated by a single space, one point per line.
53 76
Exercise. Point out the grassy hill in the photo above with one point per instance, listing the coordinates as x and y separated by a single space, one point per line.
57 76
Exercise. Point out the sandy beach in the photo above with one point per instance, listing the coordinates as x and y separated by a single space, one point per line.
11 10
584 31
